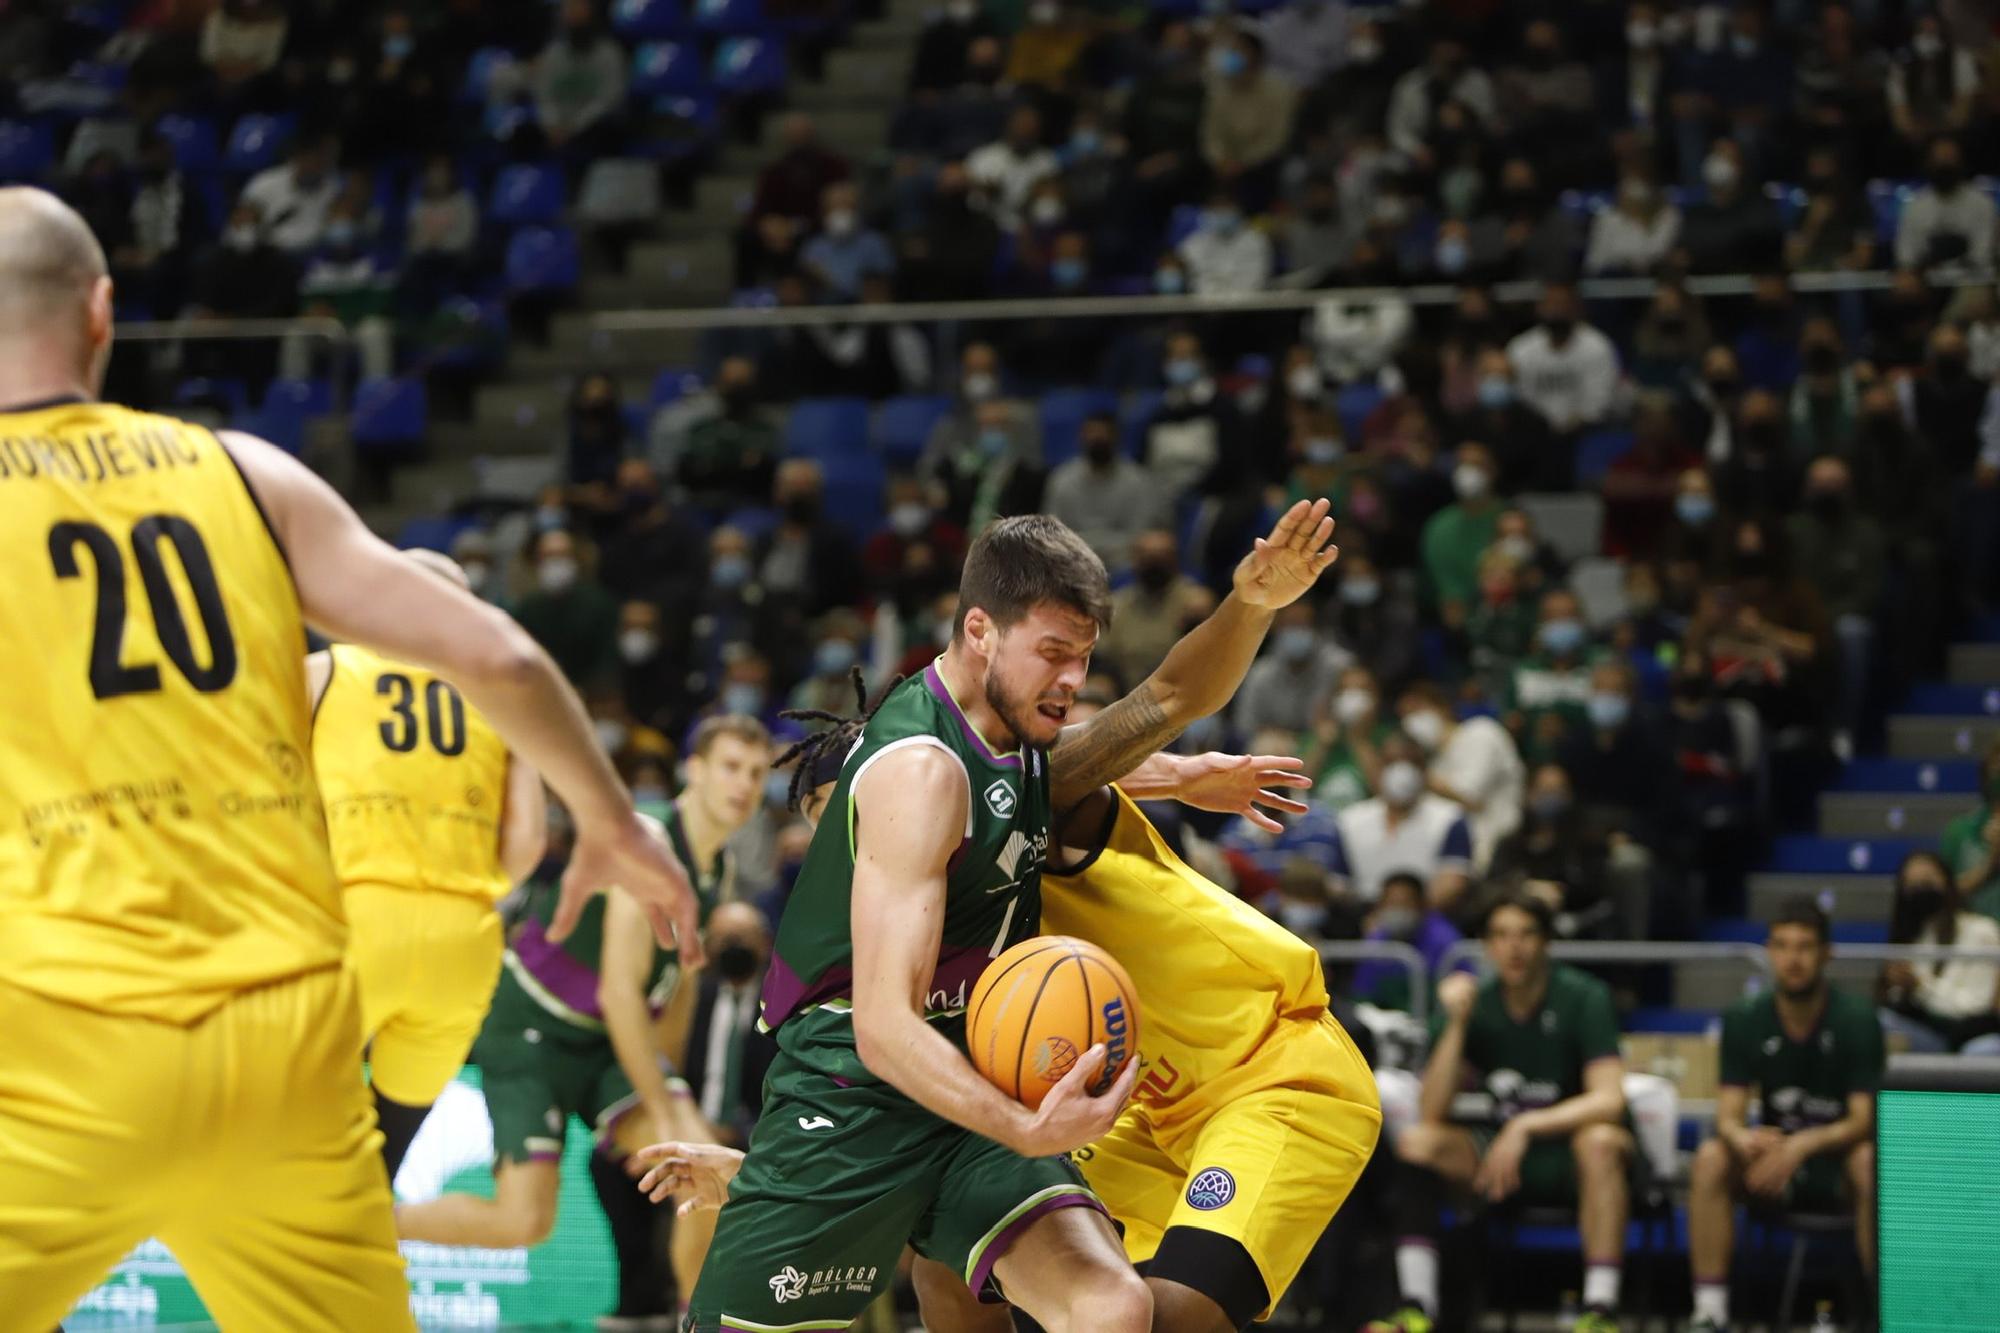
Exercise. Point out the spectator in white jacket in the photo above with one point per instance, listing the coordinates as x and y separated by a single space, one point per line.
1225 256
1636 233
1474 762
1445 77
1564 368
1948 222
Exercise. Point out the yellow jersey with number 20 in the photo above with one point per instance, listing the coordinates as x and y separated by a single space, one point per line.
162 845
1215 976
414 778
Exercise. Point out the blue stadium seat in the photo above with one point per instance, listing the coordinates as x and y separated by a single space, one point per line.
664 70
904 425
228 394
746 66
1596 452
308 398
256 141
479 73
27 149
853 495
671 385
197 143
106 17
1133 419
731 18
754 521
648 20
827 428
697 121
543 260
1182 223
1791 202
475 339
1353 404
526 194
1887 199
285 429
1909 776
389 413
1938 699
1063 413
1808 854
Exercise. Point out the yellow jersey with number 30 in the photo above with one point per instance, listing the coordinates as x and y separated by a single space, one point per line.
162 845
414 779
1215 976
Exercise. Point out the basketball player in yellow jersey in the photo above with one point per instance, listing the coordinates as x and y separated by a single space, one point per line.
432 822
177 1033
1255 1114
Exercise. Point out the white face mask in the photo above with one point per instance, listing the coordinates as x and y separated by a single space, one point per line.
1353 704
979 386
1426 727
1402 783
610 734
840 222
1470 481
636 645
1304 382
961 11
557 573
1301 918
1046 210
1517 547
1719 173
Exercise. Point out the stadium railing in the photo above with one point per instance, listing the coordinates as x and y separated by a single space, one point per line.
1386 951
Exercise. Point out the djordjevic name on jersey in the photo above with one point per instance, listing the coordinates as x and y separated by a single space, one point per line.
992 887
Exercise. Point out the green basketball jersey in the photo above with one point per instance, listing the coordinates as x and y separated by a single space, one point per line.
1802 1084
562 978
1526 1066
993 887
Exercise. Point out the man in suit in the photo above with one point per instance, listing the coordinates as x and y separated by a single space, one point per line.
726 1056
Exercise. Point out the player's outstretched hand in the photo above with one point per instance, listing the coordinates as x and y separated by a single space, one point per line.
1282 566
696 1174
1070 1116
635 857
1237 784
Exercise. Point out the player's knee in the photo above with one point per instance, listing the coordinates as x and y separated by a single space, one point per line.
1111 1300
1712 1165
1600 1149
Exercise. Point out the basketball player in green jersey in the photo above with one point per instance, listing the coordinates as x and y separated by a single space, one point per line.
926 865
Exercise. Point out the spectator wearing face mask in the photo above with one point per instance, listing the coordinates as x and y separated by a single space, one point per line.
1046 50
988 460
808 561
722 445
1615 758
473 550
1743 81
1734 229
1345 753
1307 39
1836 230
1500 626
1375 614
1845 557
1107 498
844 253
1826 401
726 1055
1637 233
1162 124
1758 477
1473 763
1951 1004
1554 859
950 256
1294 680
1404 828
1548 694
939 63
912 522
1547 98
1518 436
1151 613
1247 120
1768 347
1564 368
1009 169
651 675
1632 87
1225 255
840 639
1948 222
1639 487
1690 535
569 613
1538 237
596 435
1764 633
294 198
579 83
651 550
1445 76
1947 405
1933 85
1401 916
1457 535
1182 445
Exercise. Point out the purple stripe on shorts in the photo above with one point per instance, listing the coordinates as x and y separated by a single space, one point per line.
936 685
1012 1232
561 975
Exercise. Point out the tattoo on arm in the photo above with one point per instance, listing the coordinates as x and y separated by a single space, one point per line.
1108 746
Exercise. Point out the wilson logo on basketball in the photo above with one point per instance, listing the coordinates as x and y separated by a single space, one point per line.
1054 1057
1115 1028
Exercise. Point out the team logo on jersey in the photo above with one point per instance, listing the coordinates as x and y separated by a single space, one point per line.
1210 1189
291 765
788 1285
1000 799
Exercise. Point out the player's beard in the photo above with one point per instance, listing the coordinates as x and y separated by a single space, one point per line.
1017 715
1797 993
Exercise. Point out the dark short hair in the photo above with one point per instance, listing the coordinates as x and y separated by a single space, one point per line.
739 726
1410 878
1545 920
1019 563
1801 910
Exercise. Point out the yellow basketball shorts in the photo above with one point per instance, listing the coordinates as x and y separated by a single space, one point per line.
426 963
1264 1155
245 1142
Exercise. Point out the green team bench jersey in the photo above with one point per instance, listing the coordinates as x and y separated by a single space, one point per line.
562 978
1527 1066
1802 1084
993 885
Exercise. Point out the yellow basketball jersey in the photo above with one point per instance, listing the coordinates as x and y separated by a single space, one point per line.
415 780
1214 974
162 845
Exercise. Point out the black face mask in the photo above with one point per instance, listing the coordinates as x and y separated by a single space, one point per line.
1950 369
1154 578
1946 179
1828 506
1691 689
737 962
1924 903
1100 452
1882 427
1559 329
1761 436
735 399
1822 359
802 509
1750 564
1725 388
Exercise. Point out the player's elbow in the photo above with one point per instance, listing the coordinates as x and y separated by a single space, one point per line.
504 658
875 1040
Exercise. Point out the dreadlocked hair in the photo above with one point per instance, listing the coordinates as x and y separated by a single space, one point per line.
840 734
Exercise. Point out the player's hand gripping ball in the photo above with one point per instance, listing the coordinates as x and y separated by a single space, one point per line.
1041 1005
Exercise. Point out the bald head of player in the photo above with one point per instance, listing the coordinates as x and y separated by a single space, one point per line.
55 300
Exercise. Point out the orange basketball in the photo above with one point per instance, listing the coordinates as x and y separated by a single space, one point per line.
1040 1006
